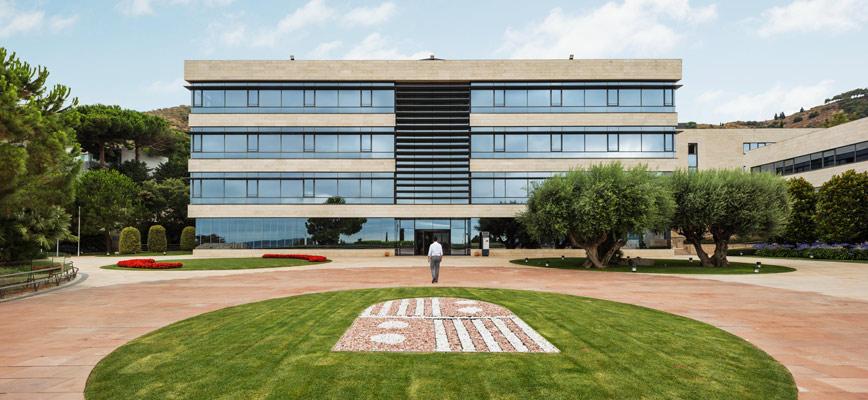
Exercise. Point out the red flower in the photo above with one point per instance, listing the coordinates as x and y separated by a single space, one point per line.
148 263
306 257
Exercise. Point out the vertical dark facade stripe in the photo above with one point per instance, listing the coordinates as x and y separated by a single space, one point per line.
432 143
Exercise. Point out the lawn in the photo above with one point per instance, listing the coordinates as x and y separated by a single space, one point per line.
659 267
223 263
280 349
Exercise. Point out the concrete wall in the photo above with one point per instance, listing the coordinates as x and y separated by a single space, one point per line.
431 70
291 165
220 120
818 140
722 148
575 119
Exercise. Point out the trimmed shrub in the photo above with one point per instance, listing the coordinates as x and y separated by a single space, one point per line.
842 208
157 239
130 241
820 251
188 238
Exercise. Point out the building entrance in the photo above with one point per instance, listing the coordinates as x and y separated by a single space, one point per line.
424 238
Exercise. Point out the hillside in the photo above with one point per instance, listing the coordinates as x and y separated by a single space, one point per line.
847 106
177 116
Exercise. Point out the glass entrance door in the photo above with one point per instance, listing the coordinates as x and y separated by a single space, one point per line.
424 238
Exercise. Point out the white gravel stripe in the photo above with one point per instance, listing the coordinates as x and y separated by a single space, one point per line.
463 336
386 307
367 312
536 337
402 309
420 307
441 341
435 306
486 336
513 340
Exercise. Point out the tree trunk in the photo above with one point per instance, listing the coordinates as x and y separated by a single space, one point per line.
591 252
102 156
696 239
137 151
108 242
612 250
721 245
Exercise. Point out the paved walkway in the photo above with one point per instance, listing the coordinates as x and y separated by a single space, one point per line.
52 341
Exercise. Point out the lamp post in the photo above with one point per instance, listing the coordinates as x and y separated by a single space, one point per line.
78 251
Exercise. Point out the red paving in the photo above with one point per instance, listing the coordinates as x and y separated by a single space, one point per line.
51 342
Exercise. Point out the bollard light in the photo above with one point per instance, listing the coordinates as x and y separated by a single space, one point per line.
164 253
690 259
525 260
741 253
756 269
547 263
633 268
811 256
562 257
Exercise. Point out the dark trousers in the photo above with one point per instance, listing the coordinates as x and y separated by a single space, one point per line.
435 267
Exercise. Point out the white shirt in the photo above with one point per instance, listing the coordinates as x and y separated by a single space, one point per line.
435 250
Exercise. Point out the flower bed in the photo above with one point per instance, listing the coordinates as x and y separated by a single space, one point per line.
822 251
148 263
306 257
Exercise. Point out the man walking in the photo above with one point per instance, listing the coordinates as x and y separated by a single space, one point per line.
435 255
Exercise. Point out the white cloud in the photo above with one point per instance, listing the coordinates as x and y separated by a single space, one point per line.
630 27
376 47
763 104
313 13
710 96
14 21
833 16
368 16
137 8
325 49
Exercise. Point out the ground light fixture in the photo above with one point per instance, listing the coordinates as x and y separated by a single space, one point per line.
756 269
562 257
690 259
811 256
525 260
547 263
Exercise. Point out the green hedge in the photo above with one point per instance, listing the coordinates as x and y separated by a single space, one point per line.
822 254
157 239
188 238
130 241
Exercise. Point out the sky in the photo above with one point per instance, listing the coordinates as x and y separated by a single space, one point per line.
743 60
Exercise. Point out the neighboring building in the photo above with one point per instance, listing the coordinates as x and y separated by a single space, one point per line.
417 150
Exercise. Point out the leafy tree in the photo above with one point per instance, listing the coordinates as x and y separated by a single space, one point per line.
508 231
801 226
165 203
726 203
838 118
801 110
176 165
108 201
135 170
39 158
130 241
328 231
783 115
842 208
101 127
188 238
157 238
595 209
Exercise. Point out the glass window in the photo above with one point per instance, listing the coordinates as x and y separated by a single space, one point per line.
779 167
252 188
556 98
612 97
516 98
212 98
384 98
516 188
828 158
574 142
291 98
235 188
366 188
366 98
212 143
556 142
668 97
326 98
292 143
845 155
629 98
252 98
596 142
309 142
595 98
349 98
516 143
349 188
613 142
291 188
499 98
348 143
538 143
499 188
538 98
482 143
326 187
802 164
212 188
668 145
498 142
745 147
309 98
269 98
482 188
236 98
382 143
269 143
196 187
652 142
652 97
252 142
862 151
573 98
366 143
197 98
382 188
788 166
236 143
308 188
481 98
269 188
629 142
326 143
197 142
817 160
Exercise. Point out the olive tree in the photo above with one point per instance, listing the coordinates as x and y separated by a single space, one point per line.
724 203
595 209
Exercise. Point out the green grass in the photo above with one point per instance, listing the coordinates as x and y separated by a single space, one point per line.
659 267
222 263
280 349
